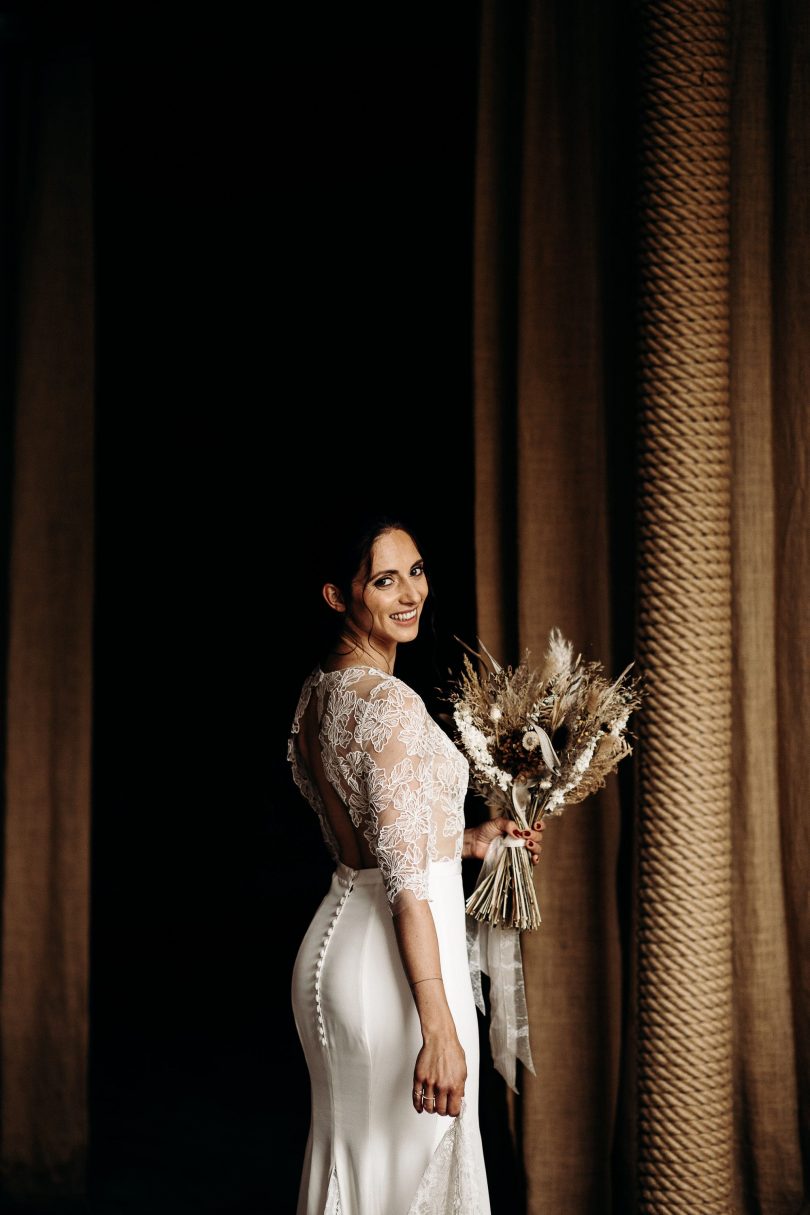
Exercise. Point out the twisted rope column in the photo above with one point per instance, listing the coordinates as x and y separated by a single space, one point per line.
684 644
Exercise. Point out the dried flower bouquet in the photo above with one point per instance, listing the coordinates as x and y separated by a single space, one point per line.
537 740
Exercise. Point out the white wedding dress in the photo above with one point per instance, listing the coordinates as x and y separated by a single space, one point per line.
403 783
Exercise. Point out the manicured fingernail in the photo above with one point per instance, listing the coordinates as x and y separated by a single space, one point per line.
527 833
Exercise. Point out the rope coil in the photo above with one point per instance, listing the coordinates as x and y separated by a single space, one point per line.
685 1128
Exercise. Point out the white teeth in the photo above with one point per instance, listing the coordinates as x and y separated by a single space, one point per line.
404 615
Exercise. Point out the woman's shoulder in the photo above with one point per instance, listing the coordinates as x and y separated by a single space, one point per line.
372 686
312 680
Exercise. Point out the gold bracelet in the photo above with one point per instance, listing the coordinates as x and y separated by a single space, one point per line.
433 978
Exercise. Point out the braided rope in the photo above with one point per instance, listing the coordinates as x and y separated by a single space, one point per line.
684 919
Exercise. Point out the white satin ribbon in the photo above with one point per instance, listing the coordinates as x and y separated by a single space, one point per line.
496 952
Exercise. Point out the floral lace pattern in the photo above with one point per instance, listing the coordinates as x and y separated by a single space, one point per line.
454 1182
402 780
333 1206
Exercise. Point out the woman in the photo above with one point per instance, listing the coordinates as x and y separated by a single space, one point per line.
381 986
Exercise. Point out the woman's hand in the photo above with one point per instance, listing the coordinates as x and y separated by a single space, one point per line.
478 839
440 1075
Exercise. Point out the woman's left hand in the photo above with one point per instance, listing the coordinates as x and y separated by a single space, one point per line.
478 839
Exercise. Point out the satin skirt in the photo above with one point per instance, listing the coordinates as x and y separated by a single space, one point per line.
368 1148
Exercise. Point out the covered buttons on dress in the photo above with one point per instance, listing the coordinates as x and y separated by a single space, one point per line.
349 883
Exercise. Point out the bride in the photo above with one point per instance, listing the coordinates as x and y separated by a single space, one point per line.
381 988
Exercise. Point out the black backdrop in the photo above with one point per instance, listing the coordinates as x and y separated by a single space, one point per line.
283 217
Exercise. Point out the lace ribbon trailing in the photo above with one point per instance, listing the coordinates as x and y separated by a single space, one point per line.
496 952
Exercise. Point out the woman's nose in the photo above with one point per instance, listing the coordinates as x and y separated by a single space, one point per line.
410 593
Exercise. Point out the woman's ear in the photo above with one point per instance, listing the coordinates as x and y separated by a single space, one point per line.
333 597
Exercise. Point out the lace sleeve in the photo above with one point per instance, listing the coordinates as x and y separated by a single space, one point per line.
395 763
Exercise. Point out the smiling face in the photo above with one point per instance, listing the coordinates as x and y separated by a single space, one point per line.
386 604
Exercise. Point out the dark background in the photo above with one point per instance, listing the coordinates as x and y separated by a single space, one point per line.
283 210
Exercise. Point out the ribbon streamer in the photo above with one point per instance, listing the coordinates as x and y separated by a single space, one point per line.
496 952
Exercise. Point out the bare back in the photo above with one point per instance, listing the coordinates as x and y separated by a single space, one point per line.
352 847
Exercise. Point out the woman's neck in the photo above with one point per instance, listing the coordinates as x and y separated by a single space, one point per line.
350 653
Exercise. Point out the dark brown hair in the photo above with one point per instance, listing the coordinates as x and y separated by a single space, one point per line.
347 557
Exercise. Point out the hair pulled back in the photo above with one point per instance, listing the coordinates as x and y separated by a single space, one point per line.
345 557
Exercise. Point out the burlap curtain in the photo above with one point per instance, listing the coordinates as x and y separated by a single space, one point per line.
674 1077
46 829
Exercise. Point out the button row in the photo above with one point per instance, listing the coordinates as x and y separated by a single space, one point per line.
319 963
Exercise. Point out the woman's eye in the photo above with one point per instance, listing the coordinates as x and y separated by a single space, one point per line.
383 582
417 571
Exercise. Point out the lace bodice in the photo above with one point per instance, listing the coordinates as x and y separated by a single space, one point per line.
401 779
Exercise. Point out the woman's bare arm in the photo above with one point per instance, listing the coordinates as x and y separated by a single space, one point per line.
441 1068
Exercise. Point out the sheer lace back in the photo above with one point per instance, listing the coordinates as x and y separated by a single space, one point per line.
399 778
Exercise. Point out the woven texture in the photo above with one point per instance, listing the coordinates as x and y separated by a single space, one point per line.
684 914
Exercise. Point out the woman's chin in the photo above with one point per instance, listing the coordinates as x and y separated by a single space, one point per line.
408 633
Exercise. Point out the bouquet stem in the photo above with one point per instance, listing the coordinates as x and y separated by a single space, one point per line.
504 894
